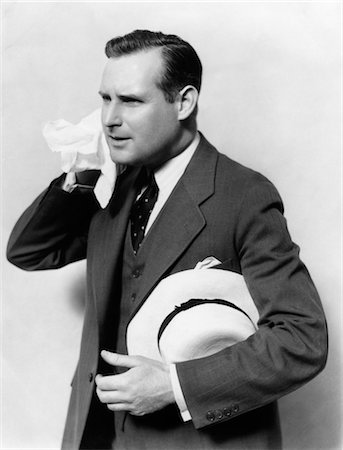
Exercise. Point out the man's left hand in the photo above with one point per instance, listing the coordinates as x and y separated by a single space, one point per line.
146 387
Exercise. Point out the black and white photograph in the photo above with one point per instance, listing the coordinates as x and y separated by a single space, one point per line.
171 202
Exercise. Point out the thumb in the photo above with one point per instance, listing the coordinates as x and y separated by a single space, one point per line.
115 359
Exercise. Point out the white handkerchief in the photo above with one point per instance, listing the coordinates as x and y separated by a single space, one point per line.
83 147
207 263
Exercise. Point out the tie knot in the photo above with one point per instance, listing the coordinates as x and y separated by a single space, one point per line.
146 182
152 181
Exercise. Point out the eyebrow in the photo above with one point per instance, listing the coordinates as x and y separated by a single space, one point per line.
122 96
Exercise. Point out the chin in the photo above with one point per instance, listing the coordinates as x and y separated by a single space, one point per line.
126 160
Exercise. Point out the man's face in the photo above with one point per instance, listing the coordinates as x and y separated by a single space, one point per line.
140 126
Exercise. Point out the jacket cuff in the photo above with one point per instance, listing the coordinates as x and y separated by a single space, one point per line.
179 398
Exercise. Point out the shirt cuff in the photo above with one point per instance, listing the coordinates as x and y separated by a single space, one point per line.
69 182
179 398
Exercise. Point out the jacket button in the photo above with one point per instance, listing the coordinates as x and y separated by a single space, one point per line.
90 377
219 414
136 273
133 297
235 408
227 412
210 416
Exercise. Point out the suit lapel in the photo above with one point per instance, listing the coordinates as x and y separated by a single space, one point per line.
181 219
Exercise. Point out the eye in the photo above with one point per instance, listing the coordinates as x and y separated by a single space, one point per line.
105 97
130 100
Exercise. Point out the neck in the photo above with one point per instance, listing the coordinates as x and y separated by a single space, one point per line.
183 140
186 139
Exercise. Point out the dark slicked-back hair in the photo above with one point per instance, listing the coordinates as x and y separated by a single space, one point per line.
182 65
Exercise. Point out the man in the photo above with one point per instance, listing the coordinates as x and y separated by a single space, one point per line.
201 204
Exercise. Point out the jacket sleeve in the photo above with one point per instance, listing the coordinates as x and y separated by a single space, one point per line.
52 232
290 346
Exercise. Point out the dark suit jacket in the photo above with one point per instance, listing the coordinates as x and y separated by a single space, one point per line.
219 208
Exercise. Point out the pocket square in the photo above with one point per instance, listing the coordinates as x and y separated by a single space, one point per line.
207 263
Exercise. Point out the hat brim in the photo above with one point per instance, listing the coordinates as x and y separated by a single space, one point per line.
198 331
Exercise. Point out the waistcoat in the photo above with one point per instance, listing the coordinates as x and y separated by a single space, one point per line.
132 273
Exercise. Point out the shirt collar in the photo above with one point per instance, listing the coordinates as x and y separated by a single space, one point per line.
170 172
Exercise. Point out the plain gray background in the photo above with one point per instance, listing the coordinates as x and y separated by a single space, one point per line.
270 99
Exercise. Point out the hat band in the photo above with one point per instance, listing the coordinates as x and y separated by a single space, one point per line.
190 304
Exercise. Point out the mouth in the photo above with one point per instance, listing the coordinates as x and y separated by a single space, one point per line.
118 140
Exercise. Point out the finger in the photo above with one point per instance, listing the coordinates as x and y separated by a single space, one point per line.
115 359
109 382
111 396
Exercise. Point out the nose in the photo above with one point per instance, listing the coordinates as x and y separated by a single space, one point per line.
111 116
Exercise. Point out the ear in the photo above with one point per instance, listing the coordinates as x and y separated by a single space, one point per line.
188 99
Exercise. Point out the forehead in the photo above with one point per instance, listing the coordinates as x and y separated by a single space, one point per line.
134 72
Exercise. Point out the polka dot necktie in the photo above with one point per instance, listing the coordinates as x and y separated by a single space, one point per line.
141 210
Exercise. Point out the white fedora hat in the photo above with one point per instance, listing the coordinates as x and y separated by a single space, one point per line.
192 314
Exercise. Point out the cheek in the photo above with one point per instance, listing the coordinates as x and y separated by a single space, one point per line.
152 125
163 122
144 126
